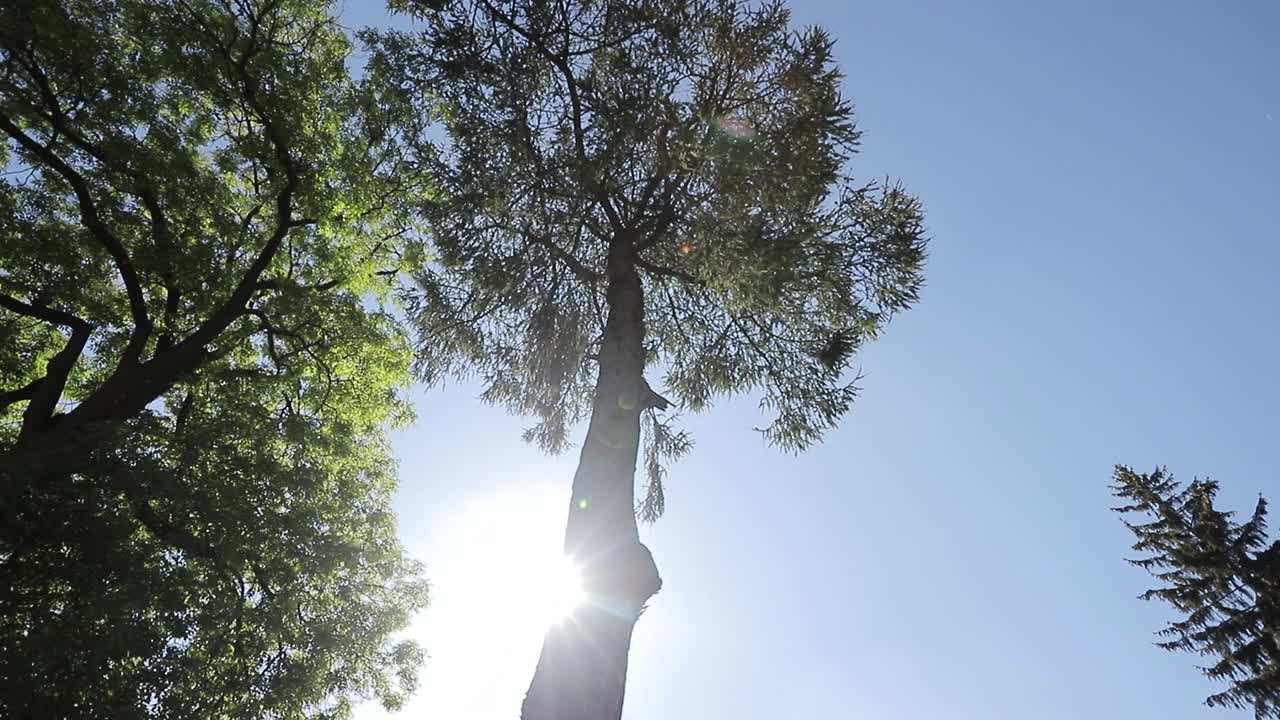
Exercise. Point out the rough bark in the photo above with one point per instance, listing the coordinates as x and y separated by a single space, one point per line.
581 674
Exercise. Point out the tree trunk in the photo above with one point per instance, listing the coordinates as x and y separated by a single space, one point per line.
581 674
53 445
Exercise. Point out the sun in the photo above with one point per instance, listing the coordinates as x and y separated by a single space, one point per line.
560 589
499 581
504 566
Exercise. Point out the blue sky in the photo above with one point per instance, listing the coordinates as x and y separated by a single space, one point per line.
1102 185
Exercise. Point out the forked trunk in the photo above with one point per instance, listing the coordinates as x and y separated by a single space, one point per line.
581 674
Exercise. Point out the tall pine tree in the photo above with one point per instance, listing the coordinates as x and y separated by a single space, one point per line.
629 191
1222 576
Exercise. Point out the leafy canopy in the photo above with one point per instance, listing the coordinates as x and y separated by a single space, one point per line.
198 219
707 137
1222 576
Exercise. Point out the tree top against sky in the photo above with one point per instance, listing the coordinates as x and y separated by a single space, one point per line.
710 140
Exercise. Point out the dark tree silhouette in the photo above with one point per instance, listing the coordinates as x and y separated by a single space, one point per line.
194 384
629 187
1222 576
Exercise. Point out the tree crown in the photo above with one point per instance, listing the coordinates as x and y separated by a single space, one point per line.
705 135
1222 576
198 217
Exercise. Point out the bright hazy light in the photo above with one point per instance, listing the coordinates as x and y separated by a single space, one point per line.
502 567
563 590
498 581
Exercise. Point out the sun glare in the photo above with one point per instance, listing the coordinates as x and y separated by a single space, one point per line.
507 569
563 590
498 581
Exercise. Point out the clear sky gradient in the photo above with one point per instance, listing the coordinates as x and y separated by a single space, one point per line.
1102 186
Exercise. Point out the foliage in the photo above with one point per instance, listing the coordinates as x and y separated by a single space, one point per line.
1222 576
197 226
704 141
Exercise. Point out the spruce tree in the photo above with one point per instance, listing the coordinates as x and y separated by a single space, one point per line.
1220 575
639 194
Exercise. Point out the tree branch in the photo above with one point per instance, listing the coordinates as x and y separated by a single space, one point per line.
128 392
561 63
652 399
573 263
278 284
26 392
93 222
44 398
41 312
234 306
668 272
184 412
145 191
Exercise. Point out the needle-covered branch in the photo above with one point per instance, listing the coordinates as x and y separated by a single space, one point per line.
1221 576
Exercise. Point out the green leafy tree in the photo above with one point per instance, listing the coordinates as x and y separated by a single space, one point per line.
196 373
632 188
1222 576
